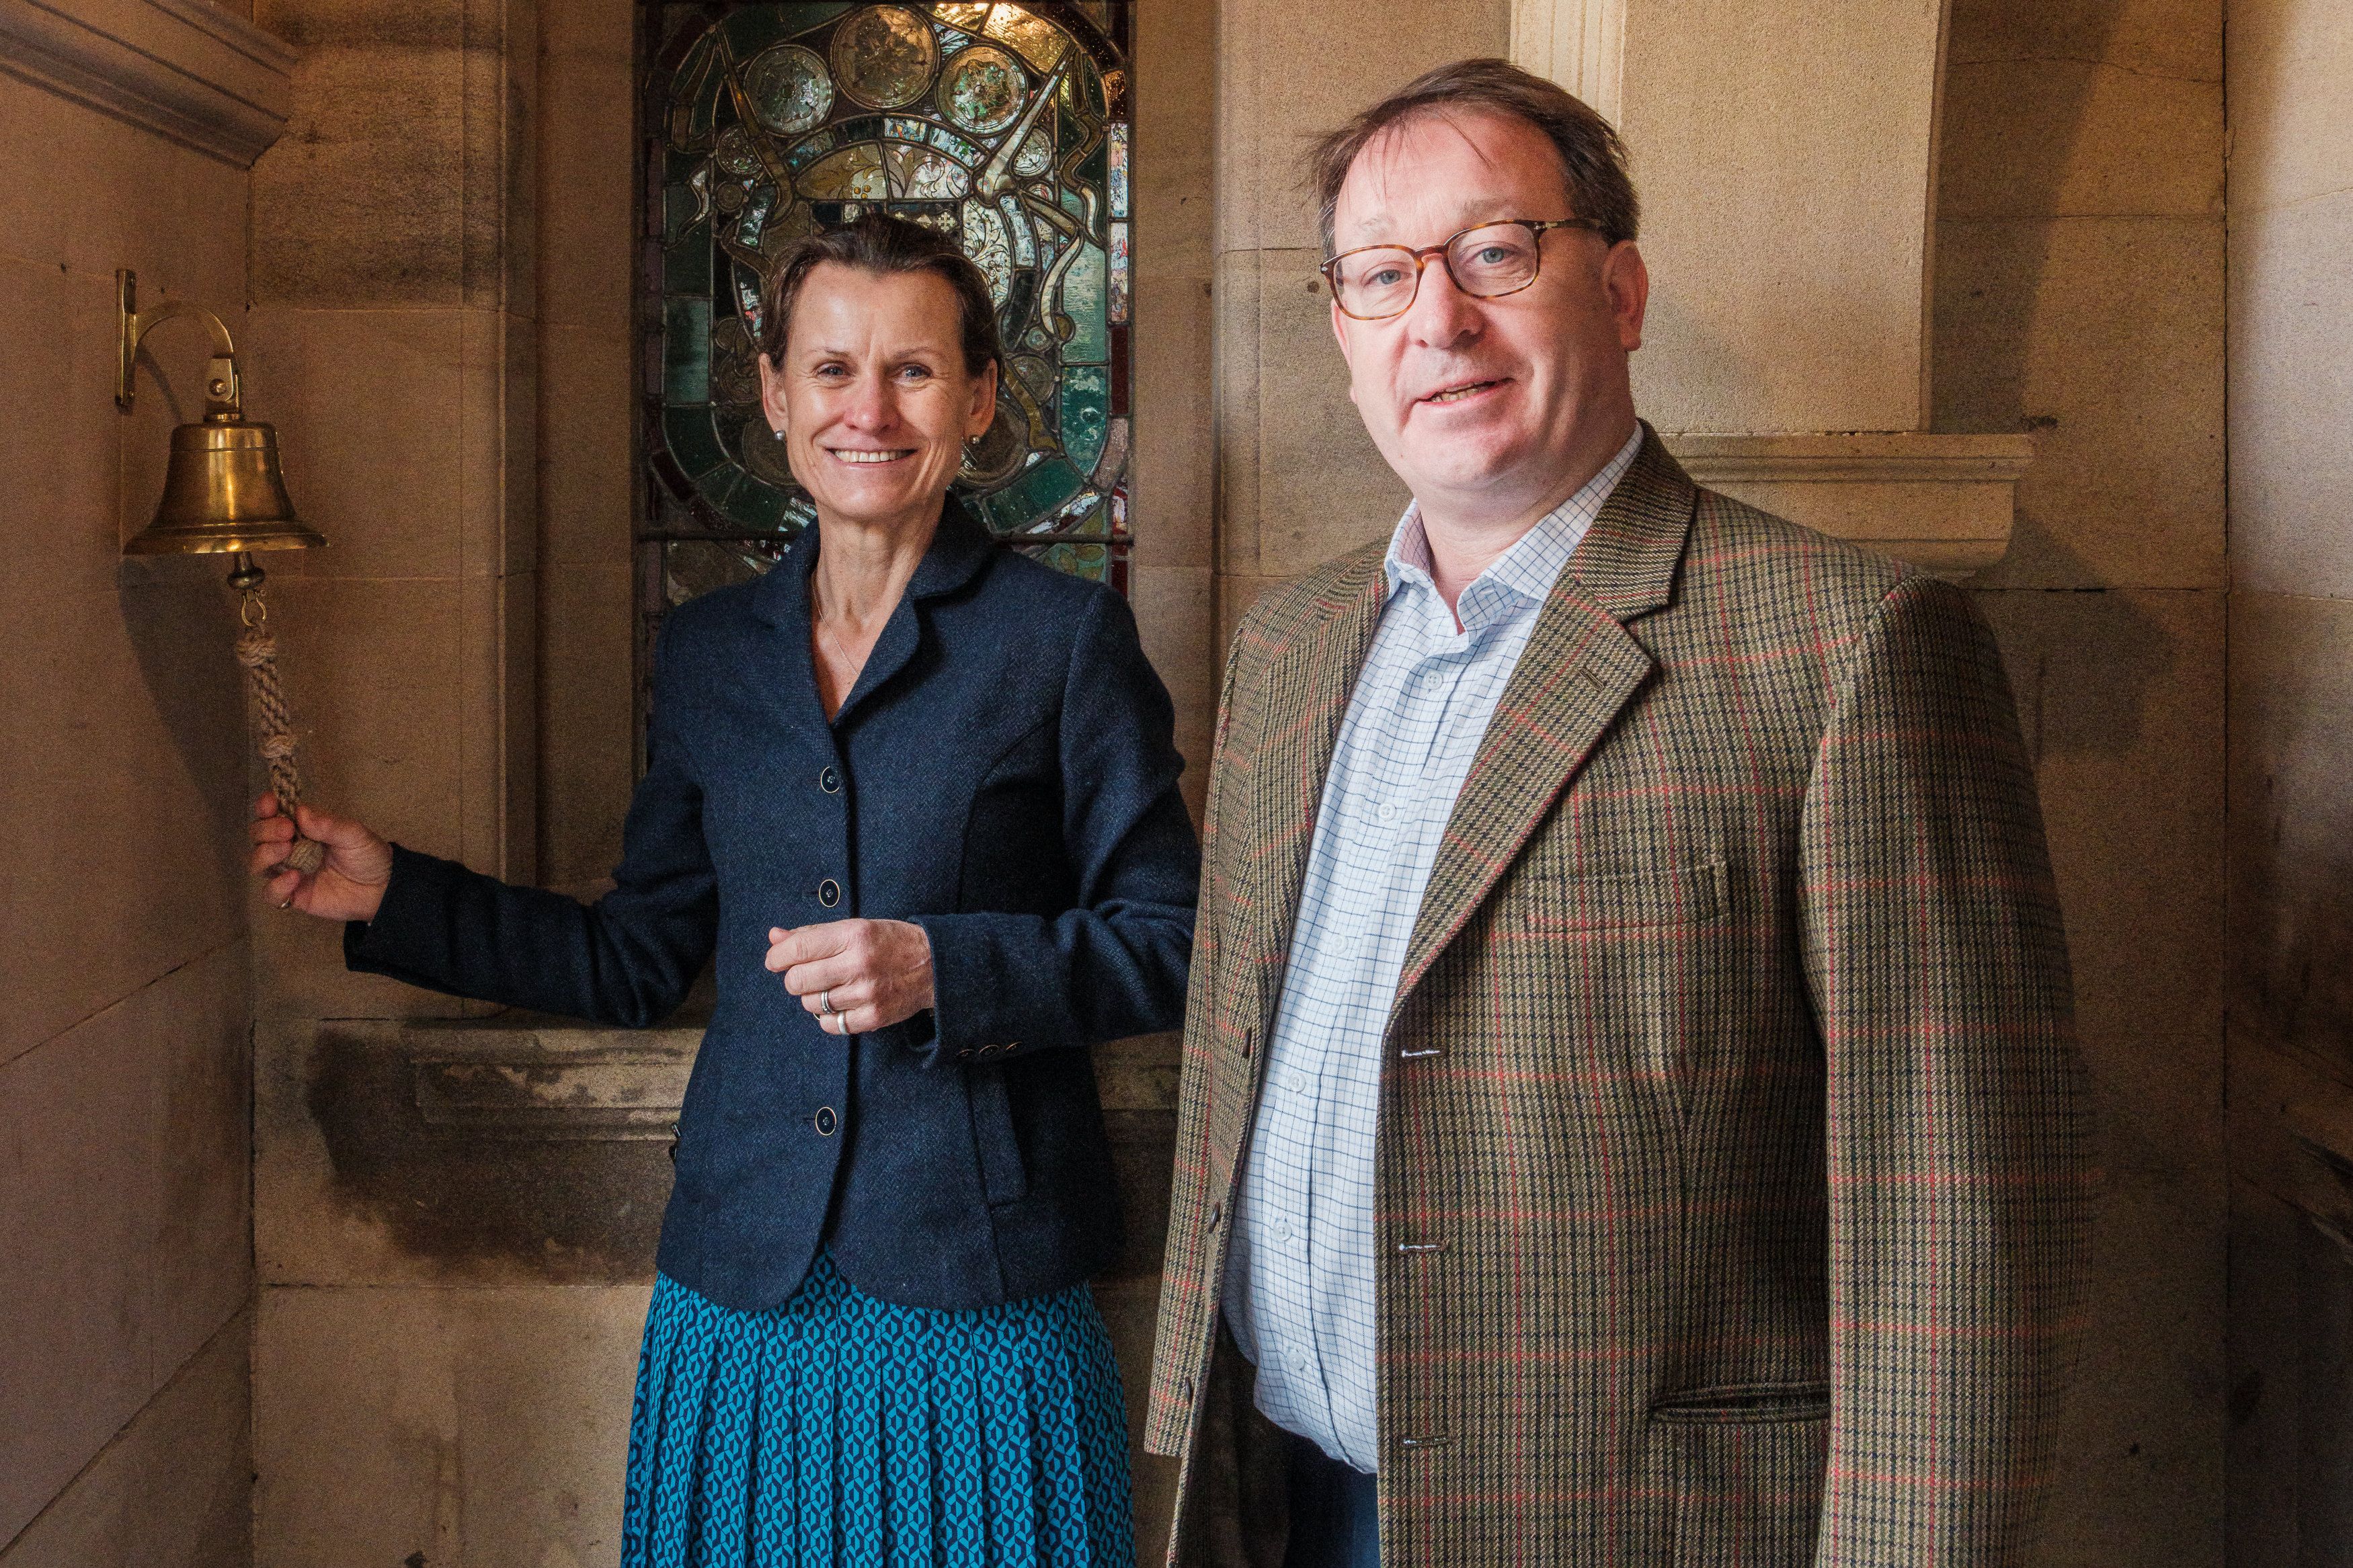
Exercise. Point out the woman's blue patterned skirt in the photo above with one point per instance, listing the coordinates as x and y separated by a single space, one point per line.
838 1431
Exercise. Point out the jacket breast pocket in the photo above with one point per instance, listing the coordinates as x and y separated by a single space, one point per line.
1568 899
1003 1178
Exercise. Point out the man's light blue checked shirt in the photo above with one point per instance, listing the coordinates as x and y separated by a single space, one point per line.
1299 1281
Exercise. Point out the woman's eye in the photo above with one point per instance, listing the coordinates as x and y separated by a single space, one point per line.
833 372
915 372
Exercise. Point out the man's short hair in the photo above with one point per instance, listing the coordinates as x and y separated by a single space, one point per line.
1590 152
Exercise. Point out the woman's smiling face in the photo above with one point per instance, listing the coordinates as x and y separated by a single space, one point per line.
873 397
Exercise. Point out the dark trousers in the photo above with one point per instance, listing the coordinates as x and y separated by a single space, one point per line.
1336 1519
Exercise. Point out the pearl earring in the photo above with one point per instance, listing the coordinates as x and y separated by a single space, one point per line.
778 434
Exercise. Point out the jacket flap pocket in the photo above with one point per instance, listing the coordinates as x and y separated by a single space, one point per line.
1745 1401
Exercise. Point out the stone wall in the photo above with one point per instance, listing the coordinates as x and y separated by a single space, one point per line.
124 1065
2291 754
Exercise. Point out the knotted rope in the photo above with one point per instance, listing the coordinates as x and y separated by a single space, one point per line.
258 651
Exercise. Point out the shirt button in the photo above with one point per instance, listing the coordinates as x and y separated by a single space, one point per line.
1385 812
825 1122
828 781
829 893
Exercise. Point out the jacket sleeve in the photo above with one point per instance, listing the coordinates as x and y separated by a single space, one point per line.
1957 1156
628 959
1114 964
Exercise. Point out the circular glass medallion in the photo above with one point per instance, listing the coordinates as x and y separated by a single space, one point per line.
788 89
736 154
885 55
982 89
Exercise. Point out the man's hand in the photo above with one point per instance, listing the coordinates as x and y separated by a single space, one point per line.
348 887
855 975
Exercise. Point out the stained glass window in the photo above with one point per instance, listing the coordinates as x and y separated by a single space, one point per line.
1003 124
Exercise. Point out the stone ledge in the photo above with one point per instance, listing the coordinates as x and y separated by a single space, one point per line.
1944 503
529 1148
525 1076
184 70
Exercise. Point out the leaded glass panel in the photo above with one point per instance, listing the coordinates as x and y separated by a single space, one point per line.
1003 124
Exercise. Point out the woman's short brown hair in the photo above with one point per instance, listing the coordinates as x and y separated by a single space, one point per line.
883 245
1591 155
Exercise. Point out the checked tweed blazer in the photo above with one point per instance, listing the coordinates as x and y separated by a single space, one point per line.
1731 1072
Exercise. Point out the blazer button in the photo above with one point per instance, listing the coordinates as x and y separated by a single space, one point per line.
1185 1389
1217 1212
829 893
828 781
825 1122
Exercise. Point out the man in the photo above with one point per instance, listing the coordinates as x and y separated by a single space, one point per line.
1630 1109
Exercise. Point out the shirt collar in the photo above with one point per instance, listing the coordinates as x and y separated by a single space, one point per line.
1522 575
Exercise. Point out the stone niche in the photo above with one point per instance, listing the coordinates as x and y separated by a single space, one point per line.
1785 151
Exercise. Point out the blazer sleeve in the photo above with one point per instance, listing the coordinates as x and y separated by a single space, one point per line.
1958 1148
1114 964
628 959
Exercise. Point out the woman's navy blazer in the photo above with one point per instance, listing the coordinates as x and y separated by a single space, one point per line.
1003 775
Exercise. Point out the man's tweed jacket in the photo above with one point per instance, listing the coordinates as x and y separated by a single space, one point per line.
1731 1075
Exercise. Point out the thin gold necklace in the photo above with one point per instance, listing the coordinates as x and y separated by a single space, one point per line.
841 650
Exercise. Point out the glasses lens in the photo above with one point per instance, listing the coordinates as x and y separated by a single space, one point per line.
1495 260
1376 282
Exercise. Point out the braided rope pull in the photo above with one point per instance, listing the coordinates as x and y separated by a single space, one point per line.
258 651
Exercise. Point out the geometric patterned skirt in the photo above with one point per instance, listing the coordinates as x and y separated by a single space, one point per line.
838 1431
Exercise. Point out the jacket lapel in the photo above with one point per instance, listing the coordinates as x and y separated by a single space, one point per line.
1302 695
1579 671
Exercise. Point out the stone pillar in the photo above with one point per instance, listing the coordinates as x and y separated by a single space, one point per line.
1786 152
394 333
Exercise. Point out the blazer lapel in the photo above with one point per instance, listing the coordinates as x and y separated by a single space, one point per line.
1579 671
788 685
1302 694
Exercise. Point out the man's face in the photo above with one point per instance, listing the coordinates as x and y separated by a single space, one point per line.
1482 405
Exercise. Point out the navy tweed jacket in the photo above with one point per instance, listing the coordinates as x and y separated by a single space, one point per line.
1003 775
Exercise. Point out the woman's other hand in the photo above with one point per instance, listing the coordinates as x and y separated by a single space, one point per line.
855 975
348 887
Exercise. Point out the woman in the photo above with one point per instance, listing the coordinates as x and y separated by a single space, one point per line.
919 797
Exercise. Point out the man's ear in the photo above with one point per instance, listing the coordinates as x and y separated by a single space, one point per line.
1626 281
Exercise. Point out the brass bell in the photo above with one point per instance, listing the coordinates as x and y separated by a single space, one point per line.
223 491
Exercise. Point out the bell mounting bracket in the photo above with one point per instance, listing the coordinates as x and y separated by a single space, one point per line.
223 394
